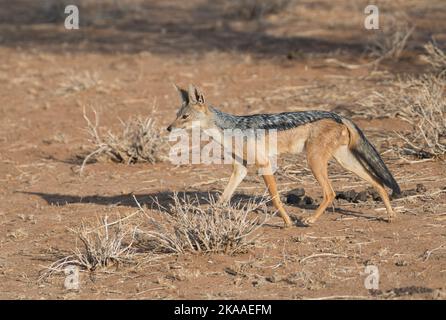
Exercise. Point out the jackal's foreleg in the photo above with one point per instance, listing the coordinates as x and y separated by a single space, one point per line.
270 182
239 172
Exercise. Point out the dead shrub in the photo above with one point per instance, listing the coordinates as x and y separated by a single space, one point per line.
188 227
390 41
379 104
140 141
435 57
427 114
256 9
102 246
419 101
94 12
53 11
77 82
185 226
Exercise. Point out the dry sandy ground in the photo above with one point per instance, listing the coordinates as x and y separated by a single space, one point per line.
122 64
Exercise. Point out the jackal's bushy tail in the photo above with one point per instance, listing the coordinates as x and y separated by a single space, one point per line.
367 155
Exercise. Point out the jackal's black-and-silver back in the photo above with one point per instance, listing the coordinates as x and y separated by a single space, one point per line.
277 121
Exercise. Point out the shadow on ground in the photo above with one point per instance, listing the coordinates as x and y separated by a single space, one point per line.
164 199
161 27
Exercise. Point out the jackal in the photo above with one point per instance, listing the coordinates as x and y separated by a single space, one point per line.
321 134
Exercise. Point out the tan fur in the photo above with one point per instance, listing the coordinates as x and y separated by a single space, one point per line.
293 140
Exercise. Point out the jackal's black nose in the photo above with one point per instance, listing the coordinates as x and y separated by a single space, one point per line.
169 128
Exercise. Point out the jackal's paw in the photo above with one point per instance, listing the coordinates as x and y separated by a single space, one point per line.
309 221
287 224
391 218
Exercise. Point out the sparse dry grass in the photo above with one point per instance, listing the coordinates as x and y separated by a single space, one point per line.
427 114
140 141
421 102
256 9
435 57
188 227
76 82
102 246
390 41
381 104
52 10
94 12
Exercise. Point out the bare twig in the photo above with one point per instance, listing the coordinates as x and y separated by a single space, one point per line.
318 255
435 57
391 41
428 253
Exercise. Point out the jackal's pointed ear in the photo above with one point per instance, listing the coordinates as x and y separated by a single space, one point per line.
195 95
184 95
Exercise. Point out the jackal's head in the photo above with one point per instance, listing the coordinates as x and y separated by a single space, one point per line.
193 111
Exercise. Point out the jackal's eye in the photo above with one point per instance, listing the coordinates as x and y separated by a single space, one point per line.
185 116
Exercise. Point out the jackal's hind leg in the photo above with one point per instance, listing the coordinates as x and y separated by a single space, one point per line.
318 163
346 159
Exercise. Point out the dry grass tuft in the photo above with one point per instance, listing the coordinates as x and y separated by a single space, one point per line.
77 82
102 246
426 112
140 141
185 227
188 227
435 57
421 102
256 9
94 12
53 11
390 41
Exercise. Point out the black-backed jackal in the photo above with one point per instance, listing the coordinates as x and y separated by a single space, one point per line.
321 134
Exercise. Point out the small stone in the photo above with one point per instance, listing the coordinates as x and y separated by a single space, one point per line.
401 263
349 195
420 188
300 192
295 196
230 271
307 200
273 279
361 196
292 199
